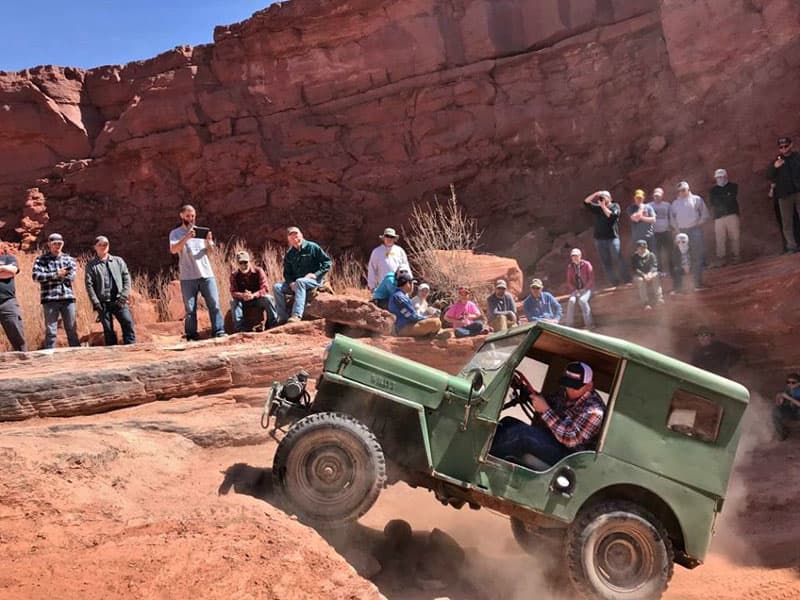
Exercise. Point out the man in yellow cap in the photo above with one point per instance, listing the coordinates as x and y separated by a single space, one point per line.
643 219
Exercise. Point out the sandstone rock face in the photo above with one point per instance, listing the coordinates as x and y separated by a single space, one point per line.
338 115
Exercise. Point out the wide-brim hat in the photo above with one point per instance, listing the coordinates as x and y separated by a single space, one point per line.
389 232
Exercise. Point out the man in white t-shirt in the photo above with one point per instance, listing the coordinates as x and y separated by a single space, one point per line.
195 273
386 258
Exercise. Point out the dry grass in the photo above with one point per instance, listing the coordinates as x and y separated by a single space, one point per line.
442 226
348 273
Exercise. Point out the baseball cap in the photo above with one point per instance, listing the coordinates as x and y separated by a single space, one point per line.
658 191
55 237
638 194
501 283
537 283
682 237
100 239
576 375
683 185
292 230
575 252
403 278
782 141
242 256
720 173
640 243
424 286
604 193
389 232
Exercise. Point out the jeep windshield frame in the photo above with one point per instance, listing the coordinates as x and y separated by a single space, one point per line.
493 355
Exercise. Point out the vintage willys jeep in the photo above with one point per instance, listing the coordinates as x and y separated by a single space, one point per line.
646 496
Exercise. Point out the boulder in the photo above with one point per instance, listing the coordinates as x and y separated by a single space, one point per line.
352 312
480 271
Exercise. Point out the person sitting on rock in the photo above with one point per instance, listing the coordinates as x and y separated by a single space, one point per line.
464 315
645 275
568 421
580 281
304 268
420 301
541 305
108 284
683 262
408 322
385 259
387 287
714 355
501 307
248 285
787 406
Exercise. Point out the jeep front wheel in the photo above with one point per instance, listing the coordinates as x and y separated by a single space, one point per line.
329 469
618 551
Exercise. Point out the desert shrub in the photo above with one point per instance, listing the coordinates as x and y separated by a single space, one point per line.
439 240
348 272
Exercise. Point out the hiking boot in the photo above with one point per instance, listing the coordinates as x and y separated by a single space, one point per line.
443 334
294 319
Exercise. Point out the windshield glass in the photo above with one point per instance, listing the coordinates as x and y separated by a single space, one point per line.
493 355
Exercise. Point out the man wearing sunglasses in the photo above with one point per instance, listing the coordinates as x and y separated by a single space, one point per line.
784 172
787 406
249 288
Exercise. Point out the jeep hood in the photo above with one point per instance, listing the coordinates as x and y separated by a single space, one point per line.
392 375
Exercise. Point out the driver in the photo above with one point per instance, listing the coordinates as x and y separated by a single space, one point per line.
570 420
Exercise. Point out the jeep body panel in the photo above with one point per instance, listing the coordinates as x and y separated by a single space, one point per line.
408 404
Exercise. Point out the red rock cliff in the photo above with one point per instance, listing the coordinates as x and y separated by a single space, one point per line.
337 114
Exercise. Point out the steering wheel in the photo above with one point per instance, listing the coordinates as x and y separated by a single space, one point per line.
521 392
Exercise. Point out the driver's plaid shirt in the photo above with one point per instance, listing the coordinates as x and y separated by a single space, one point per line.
575 424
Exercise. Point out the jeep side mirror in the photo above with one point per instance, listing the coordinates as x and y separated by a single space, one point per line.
477 382
474 390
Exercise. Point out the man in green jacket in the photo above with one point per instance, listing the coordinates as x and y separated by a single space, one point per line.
108 283
304 268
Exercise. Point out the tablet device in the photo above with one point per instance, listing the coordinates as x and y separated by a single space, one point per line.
201 232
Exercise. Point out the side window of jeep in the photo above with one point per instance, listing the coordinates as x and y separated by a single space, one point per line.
694 416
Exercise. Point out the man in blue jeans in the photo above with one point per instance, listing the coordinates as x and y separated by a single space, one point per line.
249 288
304 268
568 420
195 274
55 271
606 236
787 406
687 213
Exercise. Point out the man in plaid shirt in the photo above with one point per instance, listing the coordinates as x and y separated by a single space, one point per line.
55 271
570 420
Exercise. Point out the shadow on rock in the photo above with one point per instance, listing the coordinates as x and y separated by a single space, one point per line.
250 481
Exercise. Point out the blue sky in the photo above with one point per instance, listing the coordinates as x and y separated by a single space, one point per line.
90 33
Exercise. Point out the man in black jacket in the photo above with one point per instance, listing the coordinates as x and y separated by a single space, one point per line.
723 198
108 284
784 172
645 275
713 355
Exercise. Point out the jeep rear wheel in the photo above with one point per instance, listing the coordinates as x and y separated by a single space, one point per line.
618 551
329 469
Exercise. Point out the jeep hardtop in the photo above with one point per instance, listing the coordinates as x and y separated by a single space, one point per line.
646 496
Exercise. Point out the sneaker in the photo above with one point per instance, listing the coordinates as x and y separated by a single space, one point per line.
648 307
660 301
699 288
443 334
221 334
190 338
294 319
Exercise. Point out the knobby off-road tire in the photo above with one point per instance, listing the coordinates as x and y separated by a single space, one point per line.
329 469
617 550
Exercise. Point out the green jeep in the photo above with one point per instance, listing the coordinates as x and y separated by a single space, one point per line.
645 496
